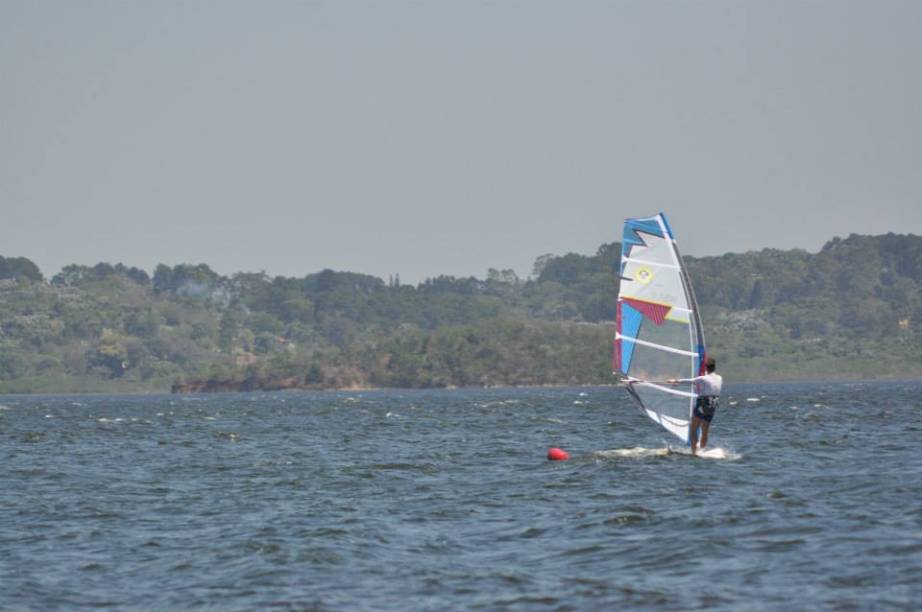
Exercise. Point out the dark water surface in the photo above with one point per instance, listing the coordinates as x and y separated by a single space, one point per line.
444 500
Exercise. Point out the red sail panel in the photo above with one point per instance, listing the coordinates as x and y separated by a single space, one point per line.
616 356
655 312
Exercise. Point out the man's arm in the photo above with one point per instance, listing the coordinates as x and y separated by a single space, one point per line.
675 381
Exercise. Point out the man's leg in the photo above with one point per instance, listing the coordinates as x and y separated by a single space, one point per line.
705 425
696 423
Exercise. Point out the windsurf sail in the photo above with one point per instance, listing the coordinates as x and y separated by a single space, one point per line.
659 335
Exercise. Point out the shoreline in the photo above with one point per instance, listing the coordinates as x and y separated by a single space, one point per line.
898 378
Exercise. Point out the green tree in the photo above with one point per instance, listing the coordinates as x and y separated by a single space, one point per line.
19 268
227 331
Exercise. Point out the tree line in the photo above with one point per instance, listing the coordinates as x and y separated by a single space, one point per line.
852 309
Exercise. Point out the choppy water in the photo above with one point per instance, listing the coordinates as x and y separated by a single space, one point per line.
444 500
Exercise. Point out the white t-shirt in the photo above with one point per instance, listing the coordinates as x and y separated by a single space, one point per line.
709 384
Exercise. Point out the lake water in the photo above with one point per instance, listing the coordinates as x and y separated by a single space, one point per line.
431 500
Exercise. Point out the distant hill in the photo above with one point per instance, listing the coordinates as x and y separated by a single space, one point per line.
852 310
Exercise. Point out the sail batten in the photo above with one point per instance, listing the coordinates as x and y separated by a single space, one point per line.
666 389
649 263
653 345
659 335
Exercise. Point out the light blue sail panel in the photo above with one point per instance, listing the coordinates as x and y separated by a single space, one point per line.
669 233
631 318
633 226
631 234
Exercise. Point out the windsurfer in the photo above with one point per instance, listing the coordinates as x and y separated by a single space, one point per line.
708 389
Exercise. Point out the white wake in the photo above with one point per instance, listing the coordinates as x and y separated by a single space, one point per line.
640 452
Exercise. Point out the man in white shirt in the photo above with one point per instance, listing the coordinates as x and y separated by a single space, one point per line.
708 389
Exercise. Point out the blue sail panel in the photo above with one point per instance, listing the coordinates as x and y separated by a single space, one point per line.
633 230
631 318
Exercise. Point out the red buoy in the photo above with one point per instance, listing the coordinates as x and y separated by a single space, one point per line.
557 454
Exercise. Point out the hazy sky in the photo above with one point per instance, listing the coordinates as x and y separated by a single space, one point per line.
426 138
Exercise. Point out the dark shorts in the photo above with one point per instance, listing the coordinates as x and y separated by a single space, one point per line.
705 407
